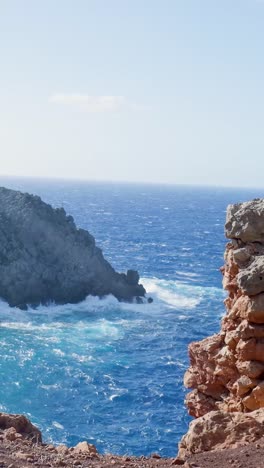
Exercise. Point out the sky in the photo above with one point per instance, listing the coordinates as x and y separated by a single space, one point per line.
159 91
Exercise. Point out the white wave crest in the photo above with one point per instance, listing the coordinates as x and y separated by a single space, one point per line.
166 294
177 294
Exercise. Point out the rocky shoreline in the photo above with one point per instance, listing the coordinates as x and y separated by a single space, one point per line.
226 376
21 447
45 258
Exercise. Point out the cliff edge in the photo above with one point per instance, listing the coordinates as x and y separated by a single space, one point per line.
227 370
44 257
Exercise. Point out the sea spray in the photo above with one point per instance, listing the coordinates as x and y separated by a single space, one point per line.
101 367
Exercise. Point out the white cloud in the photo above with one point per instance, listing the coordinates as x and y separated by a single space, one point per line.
90 103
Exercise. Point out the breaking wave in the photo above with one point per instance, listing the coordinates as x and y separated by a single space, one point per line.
83 371
109 372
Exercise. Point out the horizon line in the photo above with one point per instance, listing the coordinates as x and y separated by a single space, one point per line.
127 182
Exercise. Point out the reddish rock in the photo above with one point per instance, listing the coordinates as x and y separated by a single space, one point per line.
84 447
21 425
219 430
227 369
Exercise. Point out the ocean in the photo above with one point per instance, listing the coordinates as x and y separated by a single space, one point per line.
112 373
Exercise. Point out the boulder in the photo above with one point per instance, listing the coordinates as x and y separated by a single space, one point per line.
244 221
219 430
17 423
251 279
84 447
249 308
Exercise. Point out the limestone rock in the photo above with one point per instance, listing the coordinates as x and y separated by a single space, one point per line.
199 404
251 279
245 221
241 256
249 308
251 369
244 384
21 425
44 257
219 430
84 447
62 449
11 434
227 369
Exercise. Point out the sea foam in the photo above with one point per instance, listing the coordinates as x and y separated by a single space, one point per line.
109 372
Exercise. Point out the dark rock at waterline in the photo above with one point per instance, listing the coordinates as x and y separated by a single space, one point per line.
44 257
132 277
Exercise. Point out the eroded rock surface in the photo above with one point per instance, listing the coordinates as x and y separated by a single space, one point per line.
227 370
44 257
18 424
21 447
220 430
245 221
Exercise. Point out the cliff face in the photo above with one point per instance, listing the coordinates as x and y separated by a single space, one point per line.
227 369
44 257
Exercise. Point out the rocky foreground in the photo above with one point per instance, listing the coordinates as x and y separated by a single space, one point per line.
227 369
21 447
45 258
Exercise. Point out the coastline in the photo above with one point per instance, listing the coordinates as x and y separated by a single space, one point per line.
17 451
222 400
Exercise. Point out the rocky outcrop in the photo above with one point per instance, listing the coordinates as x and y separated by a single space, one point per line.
227 369
21 447
44 257
220 430
15 426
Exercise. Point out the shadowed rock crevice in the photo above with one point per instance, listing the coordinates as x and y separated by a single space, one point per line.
45 258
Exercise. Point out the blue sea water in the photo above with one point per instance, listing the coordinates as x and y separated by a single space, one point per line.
108 372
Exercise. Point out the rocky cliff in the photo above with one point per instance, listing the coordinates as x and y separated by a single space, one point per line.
227 370
44 257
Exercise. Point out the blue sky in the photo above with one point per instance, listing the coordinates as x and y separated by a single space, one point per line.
167 91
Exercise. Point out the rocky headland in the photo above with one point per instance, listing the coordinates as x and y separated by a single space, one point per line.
45 258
